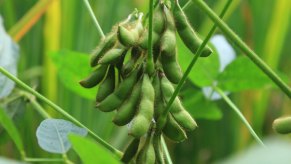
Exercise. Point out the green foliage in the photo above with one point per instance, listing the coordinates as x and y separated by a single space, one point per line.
241 75
71 70
205 70
9 126
200 107
91 152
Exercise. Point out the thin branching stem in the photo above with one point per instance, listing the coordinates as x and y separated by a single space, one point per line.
89 8
244 48
150 62
239 114
187 5
60 110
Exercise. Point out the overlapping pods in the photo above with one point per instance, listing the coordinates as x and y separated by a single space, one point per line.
139 99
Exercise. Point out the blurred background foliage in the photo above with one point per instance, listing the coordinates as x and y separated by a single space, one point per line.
66 25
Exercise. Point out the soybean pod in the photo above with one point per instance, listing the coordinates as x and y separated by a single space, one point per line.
187 33
102 48
129 33
107 86
142 120
114 100
282 125
169 60
130 151
147 153
180 114
95 77
173 131
126 111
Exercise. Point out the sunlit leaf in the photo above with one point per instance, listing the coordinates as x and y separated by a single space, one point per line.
9 53
242 74
9 126
73 67
52 135
91 152
205 69
200 107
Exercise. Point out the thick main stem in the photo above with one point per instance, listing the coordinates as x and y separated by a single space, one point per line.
251 54
60 110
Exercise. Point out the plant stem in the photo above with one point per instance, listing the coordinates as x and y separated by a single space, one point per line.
195 58
150 62
37 106
60 110
166 151
240 115
88 6
43 159
251 54
187 5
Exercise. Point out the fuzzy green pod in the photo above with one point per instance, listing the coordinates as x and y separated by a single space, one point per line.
129 34
159 26
107 85
173 131
95 77
143 41
132 63
114 100
111 56
158 148
171 67
142 120
179 113
128 108
131 150
187 33
159 102
168 58
102 48
282 125
147 153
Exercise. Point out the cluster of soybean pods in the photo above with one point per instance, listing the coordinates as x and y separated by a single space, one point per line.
137 96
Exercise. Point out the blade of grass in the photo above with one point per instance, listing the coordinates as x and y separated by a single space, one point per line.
189 68
240 115
29 19
60 110
251 54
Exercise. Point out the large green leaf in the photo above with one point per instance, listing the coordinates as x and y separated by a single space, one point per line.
73 67
242 74
91 152
200 107
9 126
205 69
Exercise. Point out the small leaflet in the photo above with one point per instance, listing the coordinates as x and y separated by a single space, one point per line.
52 135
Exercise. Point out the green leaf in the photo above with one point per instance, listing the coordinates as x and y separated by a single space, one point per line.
242 74
199 107
205 70
91 152
9 126
73 67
